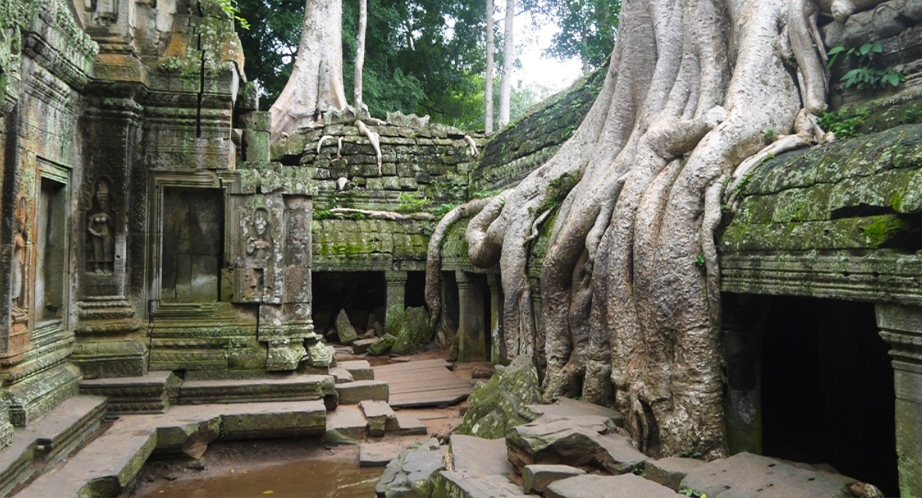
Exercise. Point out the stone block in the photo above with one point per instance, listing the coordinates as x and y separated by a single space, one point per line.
379 453
344 329
348 421
584 441
354 392
274 420
476 456
361 346
360 369
382 346
595 486
458 484
745 474
379 416
151 393
341 375
536 478
409 425
409 475
670 471
286 388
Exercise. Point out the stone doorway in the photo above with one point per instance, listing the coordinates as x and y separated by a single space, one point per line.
827 388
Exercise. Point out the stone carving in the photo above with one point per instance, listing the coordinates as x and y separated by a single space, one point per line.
101 227
258 249
105 12
20 237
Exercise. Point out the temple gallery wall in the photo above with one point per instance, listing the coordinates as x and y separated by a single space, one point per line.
146 225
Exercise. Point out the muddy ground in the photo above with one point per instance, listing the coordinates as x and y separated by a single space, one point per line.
291 467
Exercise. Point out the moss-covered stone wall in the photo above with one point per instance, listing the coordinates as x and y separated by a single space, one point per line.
528 142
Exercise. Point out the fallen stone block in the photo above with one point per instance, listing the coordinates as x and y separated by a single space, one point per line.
585 441
568 407
409 474
408 425
378 454
593 486
670 471
460 485
746 475
536 478
475 456
347 421
382 346
341 375
378 414
361 346
344 329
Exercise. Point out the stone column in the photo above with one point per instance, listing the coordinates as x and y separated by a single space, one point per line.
901 328
472 343
497 343
396 282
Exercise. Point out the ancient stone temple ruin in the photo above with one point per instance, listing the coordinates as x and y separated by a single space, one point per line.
157 252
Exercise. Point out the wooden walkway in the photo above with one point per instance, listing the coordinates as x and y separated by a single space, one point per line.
423 383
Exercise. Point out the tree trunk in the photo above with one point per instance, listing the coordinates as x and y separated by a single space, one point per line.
488 77
360 54
630 298
505 86
316 82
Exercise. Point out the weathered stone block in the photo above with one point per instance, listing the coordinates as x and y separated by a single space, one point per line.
409 474
670 471
536 478
354 392
595 486
494 406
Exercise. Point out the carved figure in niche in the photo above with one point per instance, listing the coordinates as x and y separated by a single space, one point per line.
258 247
299 232
106 10
20 237
101 226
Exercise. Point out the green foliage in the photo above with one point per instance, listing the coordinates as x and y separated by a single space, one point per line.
442 209
863 77
700 263
844 127
692 453
586 28
769 134
230 8
412 202
486 193
694 493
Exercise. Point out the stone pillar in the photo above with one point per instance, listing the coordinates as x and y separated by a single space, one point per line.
497 343
742 342
472 344
396 282
901 328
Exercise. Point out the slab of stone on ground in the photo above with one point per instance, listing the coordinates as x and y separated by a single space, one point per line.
595 486
571 408
341 375
409 425
474 456
670 471
379 415
360 346
536 478
360 390
745 474
378 453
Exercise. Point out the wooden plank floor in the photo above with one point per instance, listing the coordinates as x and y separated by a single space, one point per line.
423 383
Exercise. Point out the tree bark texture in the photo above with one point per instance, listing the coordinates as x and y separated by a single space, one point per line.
488 77
360 55
316 82
629 286
505 86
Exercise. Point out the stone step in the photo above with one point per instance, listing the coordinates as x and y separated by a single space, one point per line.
408 425
152 393
105 466
341 375
348 421
361 390
289 387
360 369
42 444
381 418
460 485
623 486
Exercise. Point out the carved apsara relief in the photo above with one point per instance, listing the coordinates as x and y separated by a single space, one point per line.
258 252
100 225
18 308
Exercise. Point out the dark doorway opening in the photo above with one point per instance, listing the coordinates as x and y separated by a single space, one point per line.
827 389
415 295
362 294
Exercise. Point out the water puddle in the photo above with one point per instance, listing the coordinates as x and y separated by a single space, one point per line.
303 479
